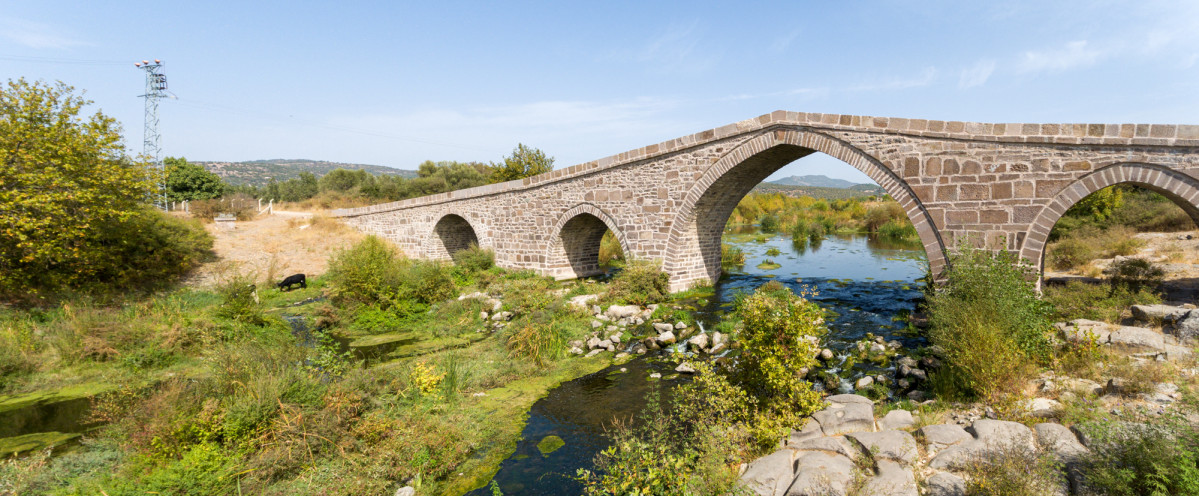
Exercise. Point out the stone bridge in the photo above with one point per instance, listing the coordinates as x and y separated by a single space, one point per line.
998 186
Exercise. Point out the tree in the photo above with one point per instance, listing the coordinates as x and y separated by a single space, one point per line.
188 181
525 161
61 175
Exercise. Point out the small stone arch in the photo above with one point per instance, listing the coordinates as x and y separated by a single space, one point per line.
693 253
1179 187
574 249
451 233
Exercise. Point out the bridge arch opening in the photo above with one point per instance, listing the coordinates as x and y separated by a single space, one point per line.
452 234
697 231
586 240
1102 215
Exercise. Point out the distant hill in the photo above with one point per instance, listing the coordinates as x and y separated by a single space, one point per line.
260 172
817 180
857 190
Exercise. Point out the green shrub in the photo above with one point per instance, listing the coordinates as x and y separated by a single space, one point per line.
1134 274
768 223
897 229
1070 253
877 217
640 283
366 273
239 300
1132 459
204 469
610 249
780 334
475 258
427 281
527 293
990 324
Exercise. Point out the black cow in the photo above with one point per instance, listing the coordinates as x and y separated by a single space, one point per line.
293 279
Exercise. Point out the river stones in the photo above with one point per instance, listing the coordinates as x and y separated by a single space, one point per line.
666 338
661 327
617 312
896 446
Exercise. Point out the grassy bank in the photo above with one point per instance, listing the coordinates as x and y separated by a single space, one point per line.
210 392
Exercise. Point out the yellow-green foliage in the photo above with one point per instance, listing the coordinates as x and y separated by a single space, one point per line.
541 336
610 249
424 378
780 335
70 201
372 273
990 323
639 283
806 217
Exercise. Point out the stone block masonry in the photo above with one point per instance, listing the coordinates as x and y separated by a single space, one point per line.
996 186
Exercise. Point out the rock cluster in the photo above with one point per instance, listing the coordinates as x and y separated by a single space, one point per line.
843 447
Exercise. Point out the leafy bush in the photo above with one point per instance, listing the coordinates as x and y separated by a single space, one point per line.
731 257
780 335
990 324
1132 459
769 223
239 300
640 283
610 249
1134 274
475 258
427 281
366 273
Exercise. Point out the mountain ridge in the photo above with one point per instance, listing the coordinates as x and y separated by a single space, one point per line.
818 180
260 172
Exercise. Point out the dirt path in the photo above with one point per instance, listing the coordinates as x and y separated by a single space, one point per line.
271 247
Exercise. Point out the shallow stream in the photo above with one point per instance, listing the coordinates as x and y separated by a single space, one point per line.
867 284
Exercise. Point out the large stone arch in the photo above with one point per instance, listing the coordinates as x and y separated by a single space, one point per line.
451 232
694 251
1179 187
574 247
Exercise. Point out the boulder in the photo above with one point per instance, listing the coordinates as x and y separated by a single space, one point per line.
944 435
863 383
593 343
1186 328
700 341
833 444
406 491
846 413
810 430
617 312
1138 337
826 354
680 325
639 348
651 343
896 420
891 479
821 473
944 484
1042 407
661 328
615 338
605 344
1157 314
666 338
685 368
595 324
999 433
897 446
769 475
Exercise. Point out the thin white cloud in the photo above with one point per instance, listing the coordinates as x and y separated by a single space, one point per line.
781 43
1072 55
926 77
34 34
679 48
977 74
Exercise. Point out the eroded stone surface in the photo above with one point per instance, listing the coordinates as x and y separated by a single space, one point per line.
820 473
896 420
945 484
942 435
771 474
897 446
891 479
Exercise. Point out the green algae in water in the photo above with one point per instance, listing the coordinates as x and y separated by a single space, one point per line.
32 442
550 444
521 456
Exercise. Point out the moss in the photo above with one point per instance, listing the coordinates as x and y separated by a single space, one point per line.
768 265
437 344
506 409
69 393
386 339
31 442
550 444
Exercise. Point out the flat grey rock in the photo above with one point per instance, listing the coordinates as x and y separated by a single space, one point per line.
617 312
1003 433
771 474
943 435
897 446
811 429
896 420
1058 439
834 444
1138 337
818 473
1042 407
944 484
1157 314
849 398
660 327
1081 329
891 479
841 418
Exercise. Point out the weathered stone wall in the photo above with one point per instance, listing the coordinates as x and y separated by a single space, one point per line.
1001 186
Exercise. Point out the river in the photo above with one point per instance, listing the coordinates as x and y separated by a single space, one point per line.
868 285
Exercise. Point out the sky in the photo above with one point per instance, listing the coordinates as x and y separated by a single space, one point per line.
397 83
